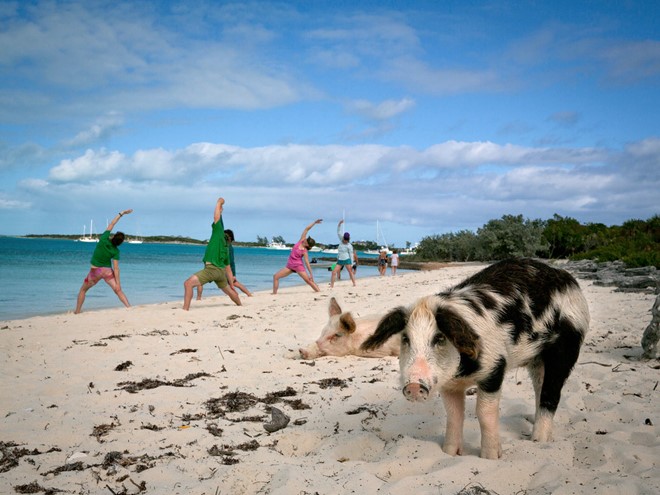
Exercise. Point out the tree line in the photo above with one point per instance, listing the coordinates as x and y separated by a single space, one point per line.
636 242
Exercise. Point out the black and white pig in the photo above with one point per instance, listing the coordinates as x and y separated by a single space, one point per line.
513 313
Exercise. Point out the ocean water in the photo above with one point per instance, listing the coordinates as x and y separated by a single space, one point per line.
43 276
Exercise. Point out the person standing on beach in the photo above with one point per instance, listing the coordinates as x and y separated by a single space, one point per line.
229 238
382 262
298 261
105 264
217 266
394 261
346 256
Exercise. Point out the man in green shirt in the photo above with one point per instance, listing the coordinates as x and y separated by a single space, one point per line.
216 263
105 264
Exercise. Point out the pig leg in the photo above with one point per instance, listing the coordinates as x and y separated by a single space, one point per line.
488 413
558 359
454 401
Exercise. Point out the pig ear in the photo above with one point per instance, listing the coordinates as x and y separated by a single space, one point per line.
458 331
334 308
347 323
392 323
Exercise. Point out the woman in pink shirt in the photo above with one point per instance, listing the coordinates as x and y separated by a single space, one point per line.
298 261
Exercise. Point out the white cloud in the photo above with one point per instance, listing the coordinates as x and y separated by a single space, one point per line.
385 110
98 131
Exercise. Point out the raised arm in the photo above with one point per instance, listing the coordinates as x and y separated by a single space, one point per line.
308 228
219 207
340 234
111 225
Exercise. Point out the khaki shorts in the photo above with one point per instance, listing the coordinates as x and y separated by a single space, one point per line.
212 273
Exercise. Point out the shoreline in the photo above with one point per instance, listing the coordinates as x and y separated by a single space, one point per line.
176 402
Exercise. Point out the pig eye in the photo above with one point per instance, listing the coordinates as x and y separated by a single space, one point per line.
439 339
405 339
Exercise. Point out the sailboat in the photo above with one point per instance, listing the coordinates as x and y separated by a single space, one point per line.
90 237
134 240
383 247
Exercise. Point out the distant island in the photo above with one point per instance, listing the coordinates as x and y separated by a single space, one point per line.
163 239
155 239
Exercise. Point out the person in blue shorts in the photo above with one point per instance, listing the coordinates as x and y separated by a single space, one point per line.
346 256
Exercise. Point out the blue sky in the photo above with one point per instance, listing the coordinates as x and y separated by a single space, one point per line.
425 116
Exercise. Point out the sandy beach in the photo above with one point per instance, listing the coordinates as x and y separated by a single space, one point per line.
157 400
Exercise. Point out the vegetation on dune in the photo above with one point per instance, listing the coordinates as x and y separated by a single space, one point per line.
636 242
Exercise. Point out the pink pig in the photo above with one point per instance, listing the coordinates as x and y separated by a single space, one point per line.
343 336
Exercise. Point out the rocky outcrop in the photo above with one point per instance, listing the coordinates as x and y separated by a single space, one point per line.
652 332
615 274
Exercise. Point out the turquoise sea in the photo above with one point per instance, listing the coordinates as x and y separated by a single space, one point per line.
43 276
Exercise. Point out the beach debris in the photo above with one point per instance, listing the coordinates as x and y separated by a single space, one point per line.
151 427
278 422
297 404
475 489
103 430
76 466
35 487
124 366
120 337
12 452
273 397
150 383
182 351
332 382
214 429
227 452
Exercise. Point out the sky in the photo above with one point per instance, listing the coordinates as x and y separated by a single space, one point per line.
419 117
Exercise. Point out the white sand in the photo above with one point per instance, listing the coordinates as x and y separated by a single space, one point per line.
59 384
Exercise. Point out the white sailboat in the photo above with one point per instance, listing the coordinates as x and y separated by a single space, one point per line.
135 240
90 237
383 247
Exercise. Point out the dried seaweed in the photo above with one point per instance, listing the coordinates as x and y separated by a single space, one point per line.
12 452
183 351
124 366
102 430
35 487
151 383
332 382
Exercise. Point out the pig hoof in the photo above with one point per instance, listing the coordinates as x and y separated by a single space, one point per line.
279 421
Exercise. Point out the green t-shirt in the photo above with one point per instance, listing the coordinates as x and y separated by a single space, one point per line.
105 251
216 251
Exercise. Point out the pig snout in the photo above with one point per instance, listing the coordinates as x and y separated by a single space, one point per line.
417 391
312 351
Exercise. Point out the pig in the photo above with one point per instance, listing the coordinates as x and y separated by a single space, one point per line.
513 313
343 335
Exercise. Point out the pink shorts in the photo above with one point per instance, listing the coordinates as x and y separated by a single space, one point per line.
295 267
98 273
